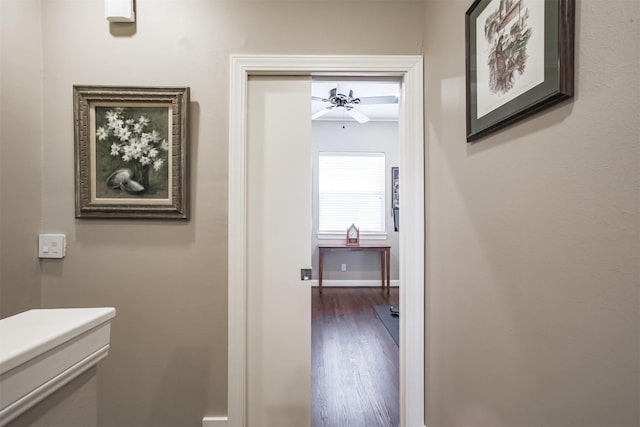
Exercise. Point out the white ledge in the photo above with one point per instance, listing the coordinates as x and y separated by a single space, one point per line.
340 235
42 350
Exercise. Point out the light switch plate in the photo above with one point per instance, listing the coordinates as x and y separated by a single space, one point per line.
119 11
52 246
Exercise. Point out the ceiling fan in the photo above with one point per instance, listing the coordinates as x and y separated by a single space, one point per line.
342 98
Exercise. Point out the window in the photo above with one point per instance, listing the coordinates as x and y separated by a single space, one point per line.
351 191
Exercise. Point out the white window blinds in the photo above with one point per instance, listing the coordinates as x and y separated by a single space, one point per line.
351 191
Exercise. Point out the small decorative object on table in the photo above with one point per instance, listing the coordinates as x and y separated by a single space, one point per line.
131 152
353 236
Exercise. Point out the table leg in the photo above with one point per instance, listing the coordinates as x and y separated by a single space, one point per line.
382 267
320 262
388 268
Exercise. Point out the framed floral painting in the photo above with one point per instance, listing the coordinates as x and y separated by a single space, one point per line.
519 60
131 152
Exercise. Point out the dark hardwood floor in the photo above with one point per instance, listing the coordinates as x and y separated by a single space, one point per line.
355 362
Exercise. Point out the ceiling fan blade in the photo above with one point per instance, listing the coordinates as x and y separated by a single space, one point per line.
321 113
360 118
370 100
319 98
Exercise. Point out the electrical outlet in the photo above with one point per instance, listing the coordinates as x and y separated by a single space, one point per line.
343 267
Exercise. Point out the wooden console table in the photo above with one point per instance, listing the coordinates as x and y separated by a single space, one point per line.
385 257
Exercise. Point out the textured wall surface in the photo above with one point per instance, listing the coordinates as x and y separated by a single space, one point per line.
20 155
534 267
168 280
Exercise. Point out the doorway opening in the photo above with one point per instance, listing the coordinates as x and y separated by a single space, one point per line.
411 267
355 316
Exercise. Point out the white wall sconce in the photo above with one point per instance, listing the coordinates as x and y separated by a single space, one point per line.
119 11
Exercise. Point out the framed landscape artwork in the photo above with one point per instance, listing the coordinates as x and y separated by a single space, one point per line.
519 60
395 197
131 152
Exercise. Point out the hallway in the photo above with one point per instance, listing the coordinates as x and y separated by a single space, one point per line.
355 362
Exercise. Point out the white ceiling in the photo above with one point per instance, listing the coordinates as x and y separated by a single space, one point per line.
361 89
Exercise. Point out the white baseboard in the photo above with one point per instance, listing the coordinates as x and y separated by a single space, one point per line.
215 422
350 283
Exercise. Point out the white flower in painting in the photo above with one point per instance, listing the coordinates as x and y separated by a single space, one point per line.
145 161
158 164
101 133
114 121
115 149
153 153
128 153
116 125
155 136
136 149
111 116
144 121
124 133
164 145
138 128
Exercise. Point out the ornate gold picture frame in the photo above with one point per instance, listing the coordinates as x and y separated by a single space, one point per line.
131 152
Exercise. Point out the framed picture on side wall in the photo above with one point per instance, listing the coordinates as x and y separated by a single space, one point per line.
131 152
395 197
519 60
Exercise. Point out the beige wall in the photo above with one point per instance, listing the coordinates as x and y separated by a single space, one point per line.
20 154
167 280
534 266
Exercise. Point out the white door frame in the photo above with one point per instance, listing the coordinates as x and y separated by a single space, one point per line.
412 238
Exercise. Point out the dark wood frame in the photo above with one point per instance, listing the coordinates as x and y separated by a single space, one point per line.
558 81
176 99
395 197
